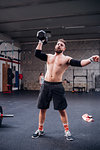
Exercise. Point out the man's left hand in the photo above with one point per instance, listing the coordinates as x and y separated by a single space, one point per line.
95 58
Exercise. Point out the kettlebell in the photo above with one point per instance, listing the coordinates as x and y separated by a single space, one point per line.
42 36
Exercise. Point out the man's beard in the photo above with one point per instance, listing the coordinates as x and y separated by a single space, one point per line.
58 51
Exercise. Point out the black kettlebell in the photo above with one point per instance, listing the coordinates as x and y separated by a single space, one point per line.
42 36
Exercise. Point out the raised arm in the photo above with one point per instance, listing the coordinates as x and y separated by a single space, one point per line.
38 52
40 45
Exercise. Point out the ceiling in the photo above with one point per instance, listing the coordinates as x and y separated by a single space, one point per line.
68 19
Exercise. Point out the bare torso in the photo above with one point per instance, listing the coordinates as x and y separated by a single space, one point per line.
56 66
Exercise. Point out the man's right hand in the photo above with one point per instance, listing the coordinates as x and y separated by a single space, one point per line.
39 46
41 41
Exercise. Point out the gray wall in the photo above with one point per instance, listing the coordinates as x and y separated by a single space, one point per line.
31 66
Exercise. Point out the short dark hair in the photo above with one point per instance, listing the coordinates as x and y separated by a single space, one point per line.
62 40
41 73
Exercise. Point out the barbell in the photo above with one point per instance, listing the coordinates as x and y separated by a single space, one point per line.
4 115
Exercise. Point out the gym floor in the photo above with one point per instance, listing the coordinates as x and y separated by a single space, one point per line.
15 133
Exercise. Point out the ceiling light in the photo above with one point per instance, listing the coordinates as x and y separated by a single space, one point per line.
75 27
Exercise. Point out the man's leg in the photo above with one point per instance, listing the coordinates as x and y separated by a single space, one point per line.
40 131
64 119
63 116
42 115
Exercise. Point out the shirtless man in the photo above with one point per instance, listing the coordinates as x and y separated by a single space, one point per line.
52 87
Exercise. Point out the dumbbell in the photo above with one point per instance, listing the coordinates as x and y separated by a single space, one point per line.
42 36
4 115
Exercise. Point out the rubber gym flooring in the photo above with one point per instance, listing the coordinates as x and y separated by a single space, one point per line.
15 133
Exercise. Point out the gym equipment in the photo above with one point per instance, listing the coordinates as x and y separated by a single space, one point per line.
10 76
80 89
87 118
42 36
11 58
4 115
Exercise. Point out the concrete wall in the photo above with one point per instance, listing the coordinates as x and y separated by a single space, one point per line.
8 46
31 66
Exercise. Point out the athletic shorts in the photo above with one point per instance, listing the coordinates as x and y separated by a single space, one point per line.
49 91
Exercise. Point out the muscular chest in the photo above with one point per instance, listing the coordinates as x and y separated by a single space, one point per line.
56 61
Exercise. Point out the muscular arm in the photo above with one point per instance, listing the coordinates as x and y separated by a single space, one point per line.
76 63
73 62
94 58
39 46
84 62
38 52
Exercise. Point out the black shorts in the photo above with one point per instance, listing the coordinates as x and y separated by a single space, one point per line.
51 90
